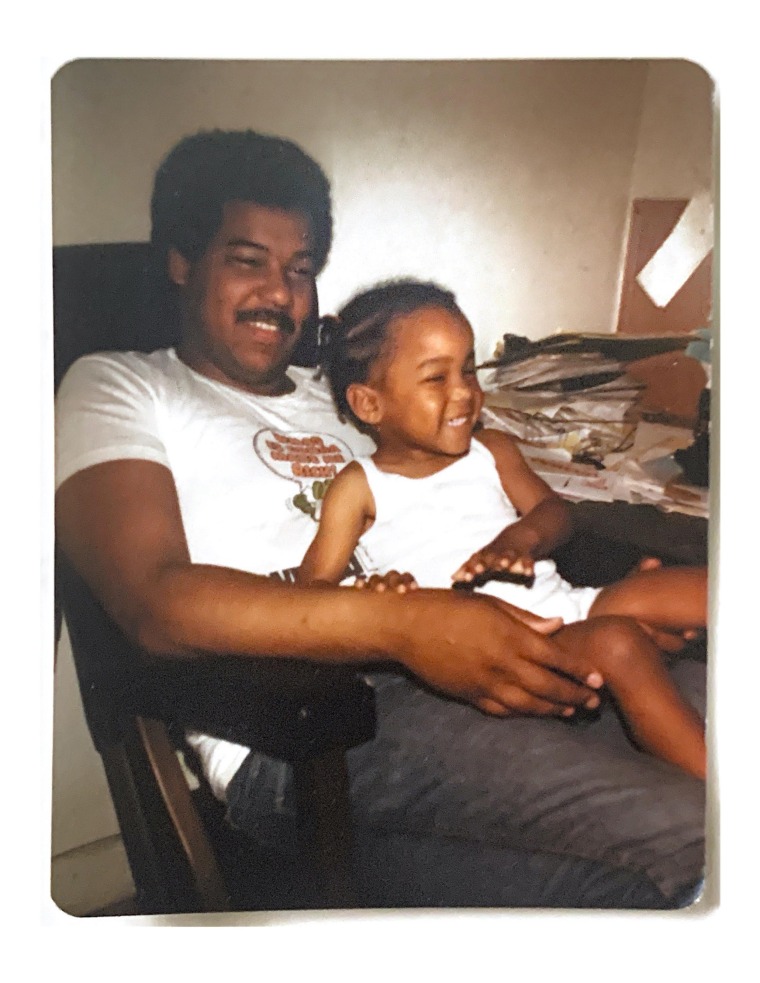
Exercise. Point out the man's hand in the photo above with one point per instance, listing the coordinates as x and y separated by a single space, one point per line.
476 649
670 642
394 581
544 626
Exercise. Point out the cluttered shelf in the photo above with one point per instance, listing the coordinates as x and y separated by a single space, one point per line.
577 409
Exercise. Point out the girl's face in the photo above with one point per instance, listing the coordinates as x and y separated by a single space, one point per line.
428 396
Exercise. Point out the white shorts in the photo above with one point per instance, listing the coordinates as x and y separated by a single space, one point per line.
550 596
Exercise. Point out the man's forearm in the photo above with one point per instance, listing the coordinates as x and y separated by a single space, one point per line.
120 526
196 609
467 647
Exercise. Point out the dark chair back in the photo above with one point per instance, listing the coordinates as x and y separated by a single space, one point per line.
116 297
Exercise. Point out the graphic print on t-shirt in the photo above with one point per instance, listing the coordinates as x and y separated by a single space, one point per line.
311 460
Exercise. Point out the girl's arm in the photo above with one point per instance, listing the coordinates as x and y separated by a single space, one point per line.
544 517
347 511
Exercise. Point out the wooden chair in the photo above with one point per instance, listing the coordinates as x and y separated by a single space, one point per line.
182 854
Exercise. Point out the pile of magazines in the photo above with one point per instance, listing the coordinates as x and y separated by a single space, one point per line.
570 391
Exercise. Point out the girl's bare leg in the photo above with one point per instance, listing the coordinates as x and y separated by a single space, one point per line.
658 718
668 597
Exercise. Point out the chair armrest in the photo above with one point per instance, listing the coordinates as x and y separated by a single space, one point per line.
291 709
673 536
286 708
611 537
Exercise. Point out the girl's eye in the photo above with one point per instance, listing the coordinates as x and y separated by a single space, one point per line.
301 271
436 378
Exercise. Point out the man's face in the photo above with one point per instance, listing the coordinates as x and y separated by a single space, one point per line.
247 297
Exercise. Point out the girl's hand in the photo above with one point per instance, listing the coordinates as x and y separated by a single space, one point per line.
504 553
398 582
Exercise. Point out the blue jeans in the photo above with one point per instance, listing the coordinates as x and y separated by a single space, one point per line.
520 811
401 869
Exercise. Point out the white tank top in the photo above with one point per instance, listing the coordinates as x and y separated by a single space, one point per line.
430 526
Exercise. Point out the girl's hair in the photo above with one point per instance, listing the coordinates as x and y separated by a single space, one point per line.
353 342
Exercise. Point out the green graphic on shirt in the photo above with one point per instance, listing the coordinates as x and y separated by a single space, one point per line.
311 504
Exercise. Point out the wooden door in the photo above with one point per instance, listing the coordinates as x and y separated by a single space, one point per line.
674 381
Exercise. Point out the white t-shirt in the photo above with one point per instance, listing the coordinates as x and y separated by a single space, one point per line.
250 471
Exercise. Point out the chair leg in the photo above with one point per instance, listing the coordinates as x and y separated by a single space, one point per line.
184 817
324 810
148 860
172 862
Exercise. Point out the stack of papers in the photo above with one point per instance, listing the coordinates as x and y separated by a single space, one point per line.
574 409
571 391
623 348
586 399
646 474
570 479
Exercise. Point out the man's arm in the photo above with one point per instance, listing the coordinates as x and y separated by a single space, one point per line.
119 523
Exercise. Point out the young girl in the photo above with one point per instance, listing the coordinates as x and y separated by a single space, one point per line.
449 509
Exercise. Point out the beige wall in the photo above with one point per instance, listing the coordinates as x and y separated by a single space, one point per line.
675 143
508 181
89 868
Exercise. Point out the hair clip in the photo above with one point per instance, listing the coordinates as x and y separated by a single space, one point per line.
327 330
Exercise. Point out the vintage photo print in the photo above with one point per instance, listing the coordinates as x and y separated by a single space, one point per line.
384 406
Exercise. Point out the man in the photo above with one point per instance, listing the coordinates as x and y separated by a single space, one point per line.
187 484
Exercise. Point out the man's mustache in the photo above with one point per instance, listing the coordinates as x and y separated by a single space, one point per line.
284 322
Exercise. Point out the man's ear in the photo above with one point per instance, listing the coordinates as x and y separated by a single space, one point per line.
178 267
366 402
